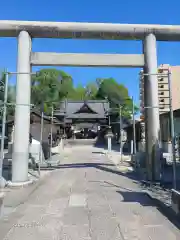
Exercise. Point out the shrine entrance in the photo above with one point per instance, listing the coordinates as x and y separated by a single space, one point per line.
83 119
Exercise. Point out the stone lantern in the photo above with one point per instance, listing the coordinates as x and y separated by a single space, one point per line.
109 135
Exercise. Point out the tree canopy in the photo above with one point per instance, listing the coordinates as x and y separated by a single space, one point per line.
10 97
50 86
117 95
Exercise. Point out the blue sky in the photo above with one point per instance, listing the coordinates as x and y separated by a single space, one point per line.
114 11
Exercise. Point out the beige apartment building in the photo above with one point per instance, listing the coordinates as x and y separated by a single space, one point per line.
163 88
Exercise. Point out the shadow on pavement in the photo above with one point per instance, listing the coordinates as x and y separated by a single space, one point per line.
115 146
138 197
146 200
167 212
100 166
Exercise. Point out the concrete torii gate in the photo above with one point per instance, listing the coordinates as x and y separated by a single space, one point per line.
26 30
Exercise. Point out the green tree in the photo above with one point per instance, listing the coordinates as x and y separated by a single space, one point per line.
84 92
78 93
92 89
117 95
10 97
50 86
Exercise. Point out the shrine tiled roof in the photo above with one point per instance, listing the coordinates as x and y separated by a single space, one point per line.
83 109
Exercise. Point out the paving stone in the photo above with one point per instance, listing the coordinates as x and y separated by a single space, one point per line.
80 232
38 209
41 199
77 200
96 200
5 211
63 192
125 212
75 216
150 216
78 189
57 206
30 218
100 211
113 197
52 222
132 231
32 233
160 232
104 228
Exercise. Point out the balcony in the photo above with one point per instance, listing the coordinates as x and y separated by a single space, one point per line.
163 80
141 90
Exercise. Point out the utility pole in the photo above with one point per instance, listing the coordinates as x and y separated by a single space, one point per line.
52 116
134 133
3 126
120 130
172 129
41 137
134 128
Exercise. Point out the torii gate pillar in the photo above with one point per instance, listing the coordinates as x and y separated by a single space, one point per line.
20 156
151 103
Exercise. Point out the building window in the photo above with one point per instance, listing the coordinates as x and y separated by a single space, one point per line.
162 100
161 86
161 93
161 79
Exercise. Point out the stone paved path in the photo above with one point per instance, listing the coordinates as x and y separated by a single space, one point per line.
87 199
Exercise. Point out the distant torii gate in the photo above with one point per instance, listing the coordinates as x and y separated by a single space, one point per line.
26 30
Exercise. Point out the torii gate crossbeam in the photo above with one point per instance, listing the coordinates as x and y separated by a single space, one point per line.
10 28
